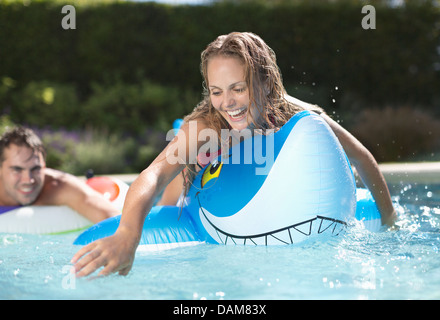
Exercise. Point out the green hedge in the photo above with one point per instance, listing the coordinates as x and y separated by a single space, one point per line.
321 44
117 107
130 66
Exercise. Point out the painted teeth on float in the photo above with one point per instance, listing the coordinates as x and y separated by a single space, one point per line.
307 188
274 189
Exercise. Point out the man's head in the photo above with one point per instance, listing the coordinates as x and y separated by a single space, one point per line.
22 163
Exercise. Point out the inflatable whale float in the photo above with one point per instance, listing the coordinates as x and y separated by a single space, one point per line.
274 189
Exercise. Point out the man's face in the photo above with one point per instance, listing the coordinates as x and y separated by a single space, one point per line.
22 175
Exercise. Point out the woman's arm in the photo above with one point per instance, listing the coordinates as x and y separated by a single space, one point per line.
116 253
172 192
368 170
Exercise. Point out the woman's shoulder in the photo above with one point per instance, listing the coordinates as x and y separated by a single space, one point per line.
304 105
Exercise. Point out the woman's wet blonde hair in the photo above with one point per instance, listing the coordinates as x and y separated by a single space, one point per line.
263 79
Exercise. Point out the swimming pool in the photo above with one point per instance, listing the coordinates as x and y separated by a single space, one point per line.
402 264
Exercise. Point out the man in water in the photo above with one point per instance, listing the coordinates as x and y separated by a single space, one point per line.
25 180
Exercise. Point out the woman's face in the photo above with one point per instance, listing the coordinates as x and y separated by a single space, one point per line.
229 92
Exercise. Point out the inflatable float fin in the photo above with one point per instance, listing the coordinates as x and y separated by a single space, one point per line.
163 225
366 210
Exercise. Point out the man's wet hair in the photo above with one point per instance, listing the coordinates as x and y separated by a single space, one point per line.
22 137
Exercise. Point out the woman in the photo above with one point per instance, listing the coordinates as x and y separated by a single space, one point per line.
243 89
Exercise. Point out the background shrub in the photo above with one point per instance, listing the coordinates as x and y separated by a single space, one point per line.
130 69
99 151
320 45
396 134
122 107
77 151
42 103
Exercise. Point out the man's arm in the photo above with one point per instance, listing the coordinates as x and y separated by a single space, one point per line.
65 189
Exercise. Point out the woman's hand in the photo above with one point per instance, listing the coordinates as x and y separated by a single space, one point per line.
114 253
389 219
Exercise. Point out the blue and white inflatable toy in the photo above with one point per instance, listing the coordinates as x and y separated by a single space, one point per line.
307 188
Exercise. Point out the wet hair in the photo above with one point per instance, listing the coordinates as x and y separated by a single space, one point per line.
21 136
263 78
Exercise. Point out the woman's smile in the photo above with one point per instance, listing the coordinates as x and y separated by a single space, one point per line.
237 114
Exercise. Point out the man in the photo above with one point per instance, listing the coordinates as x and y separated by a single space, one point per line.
25 180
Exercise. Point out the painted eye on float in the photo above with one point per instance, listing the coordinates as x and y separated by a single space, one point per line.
212 171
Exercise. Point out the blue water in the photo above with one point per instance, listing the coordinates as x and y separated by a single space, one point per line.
401 264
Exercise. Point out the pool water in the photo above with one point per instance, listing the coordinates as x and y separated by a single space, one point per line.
401 264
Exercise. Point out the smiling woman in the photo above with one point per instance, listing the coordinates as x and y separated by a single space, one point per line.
243 90
308 191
